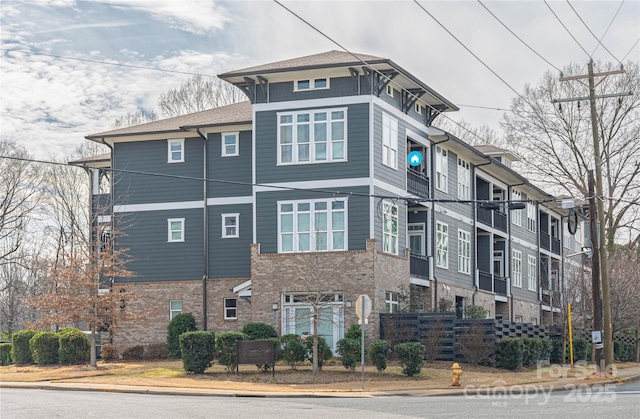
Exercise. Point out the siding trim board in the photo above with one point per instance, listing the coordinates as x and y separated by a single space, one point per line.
163 206
313 184
231 200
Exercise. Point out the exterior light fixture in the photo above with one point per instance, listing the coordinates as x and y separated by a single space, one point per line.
274 306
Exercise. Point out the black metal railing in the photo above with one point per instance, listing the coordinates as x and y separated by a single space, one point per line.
485 282
555 245
500 285
545 241
500 220
417 183
484 216
419 265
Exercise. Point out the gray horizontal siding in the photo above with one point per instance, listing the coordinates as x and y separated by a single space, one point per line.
152 258
230 257
232 168
451 275
402 221
267 216
465 209
151 157
338 87
522 232
524 292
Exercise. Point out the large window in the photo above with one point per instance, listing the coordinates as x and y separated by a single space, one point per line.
312 136
442 169
175 308
316 225
391 301
464 252
517 268
230 226
531 217
175 151
533 268
175 229
230 144
442 245
230 308
390 228
389 141
516 214
464 180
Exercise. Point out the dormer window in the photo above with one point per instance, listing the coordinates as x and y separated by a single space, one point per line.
311 84
389 90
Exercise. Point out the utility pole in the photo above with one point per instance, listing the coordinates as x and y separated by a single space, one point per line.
602 248
595 268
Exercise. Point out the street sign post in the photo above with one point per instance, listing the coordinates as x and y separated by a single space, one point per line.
363 309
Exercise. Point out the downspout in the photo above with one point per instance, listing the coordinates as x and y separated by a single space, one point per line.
112 183
475 239
205 228
508 257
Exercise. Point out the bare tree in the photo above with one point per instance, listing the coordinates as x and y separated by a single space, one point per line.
198 94
141 116
557 145
474 136
624 274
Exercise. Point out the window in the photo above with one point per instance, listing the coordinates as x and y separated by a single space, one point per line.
418 108
389 141
312 137
531 217
442 168
391 302
517 268
176 229
175 151
389 90
464 252
534 321
230 308
516 215
316 225
464 179
390 228
416 238
309 84
442 245
175 308
533 267
230 225
518 319
230 144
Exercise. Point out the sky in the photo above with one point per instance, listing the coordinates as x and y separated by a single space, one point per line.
70 68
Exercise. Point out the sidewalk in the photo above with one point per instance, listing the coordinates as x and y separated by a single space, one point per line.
626 375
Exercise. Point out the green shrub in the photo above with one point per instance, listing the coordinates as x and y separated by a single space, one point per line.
546 345
509 353
379 352
108 352
183 322
20 349
351 352
44 348
294 350
74 348
581 350
475 313
624 352
411 357
5 353
197 350
324 351
225 349
556 356
258 330
133 353
531 351
157 351
354 332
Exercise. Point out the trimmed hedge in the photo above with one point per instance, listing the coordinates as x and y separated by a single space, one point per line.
225 348
556 356
624 352
183 322
108 352
255 331
21 351
411 357
581 350
197 350
509 353
44 348
531 351
324 351
294 350
133 353
379 352
5 353
350 350
74 347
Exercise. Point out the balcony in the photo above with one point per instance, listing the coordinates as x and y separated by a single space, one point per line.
419 265
555 245
545 241
417 183
493 218
487 282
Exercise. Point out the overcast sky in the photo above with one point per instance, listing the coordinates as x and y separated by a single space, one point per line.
48 104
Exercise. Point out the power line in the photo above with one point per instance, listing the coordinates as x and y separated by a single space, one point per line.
62 57
608 27
631 49
566 29
484 107
589 29
519 39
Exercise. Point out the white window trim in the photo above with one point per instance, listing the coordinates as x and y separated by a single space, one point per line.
517 268
391 305
225 308
389 141
387 208
442 169
420 232
389 89
464 238
532 277
516 215
170 238
171 310
330 230
237 226
236 145
464 179
312 84
442 253
312 154
169 153
531 217
418 108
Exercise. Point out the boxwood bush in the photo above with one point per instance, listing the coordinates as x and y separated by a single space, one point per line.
294 350
44 348
255 331
197 350
624 352
5 353
351 352
532 349
225 348
509 353
20 349
379 352
74 348
183 322
411 357
324 351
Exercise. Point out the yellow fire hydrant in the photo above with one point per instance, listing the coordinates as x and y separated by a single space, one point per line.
457 373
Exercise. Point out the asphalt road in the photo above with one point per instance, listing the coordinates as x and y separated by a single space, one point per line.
581 402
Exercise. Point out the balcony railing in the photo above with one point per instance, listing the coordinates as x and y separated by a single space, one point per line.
492 218
484 216
417 183
491 283
500 221
545 241
500 285
555 245
419 265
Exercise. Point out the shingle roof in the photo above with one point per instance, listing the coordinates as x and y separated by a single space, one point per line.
236 113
